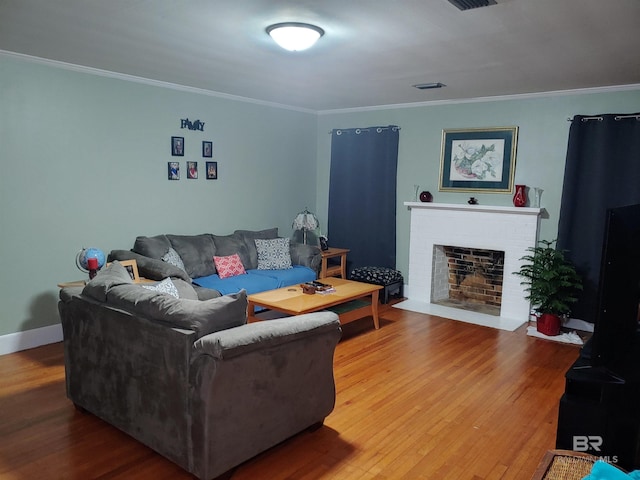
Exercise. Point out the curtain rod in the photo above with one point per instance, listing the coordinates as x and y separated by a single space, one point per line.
617 118
360 130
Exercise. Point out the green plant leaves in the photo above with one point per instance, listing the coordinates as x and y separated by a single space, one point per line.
550 280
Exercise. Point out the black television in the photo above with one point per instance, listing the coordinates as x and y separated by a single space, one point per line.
612 347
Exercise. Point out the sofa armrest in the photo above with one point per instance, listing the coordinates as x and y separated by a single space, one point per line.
229 343
306 255
150 267
256 385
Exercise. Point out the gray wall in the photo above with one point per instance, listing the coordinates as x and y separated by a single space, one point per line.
84 163
542 147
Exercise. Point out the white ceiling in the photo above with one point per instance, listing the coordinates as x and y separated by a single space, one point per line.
372 53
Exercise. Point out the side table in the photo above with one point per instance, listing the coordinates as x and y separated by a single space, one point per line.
334 270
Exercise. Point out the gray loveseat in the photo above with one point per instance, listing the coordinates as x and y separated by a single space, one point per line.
191 258
188 377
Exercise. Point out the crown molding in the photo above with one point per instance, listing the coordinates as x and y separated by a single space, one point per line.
498 98
211 93
148 81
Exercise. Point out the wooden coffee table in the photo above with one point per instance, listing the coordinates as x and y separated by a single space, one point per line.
292 301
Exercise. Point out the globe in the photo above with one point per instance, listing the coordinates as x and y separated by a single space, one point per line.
85 254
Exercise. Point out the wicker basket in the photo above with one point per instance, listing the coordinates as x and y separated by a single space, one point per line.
564 465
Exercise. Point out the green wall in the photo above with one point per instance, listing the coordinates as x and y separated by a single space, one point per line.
542 146
84 163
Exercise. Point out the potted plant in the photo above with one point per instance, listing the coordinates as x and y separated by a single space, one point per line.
551 283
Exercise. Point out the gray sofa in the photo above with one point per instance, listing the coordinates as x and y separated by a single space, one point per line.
195 260
190 378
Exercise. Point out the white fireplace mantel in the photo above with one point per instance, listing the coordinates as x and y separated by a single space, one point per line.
476 208
509 229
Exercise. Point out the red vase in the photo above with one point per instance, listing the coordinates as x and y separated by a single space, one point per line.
520 197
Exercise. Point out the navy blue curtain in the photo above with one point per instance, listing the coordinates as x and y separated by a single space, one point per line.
602 171
362 195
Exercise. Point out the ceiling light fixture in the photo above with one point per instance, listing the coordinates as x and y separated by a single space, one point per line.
294 36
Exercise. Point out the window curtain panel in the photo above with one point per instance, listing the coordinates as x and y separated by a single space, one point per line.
362 195
602 171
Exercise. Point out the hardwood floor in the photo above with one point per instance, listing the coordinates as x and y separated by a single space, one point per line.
421 398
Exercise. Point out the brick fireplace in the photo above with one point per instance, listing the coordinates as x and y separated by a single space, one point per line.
508 230
468 277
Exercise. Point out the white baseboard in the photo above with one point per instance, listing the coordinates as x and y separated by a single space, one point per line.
15 342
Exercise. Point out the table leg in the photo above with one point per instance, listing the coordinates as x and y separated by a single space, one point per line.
251 312
374 309
343 266
323 268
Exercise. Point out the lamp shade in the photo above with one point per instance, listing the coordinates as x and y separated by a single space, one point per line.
305 220
295 36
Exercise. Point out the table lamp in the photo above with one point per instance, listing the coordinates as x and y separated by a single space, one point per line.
306 222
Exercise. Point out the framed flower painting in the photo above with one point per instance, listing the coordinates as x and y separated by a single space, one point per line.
478 160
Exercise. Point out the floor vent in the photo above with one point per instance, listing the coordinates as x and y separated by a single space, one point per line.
469 4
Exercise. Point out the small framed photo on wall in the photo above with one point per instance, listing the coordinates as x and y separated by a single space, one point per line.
177 146
212 170
207 149
174 170
192 170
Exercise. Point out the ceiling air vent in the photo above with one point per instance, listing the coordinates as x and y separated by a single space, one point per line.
428 86
469 4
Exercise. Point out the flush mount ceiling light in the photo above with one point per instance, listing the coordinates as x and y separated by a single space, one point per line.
294 36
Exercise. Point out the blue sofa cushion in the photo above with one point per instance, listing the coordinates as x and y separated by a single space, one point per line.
256 281
251 283
291 276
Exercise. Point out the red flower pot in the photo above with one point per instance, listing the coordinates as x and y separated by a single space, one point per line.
549 324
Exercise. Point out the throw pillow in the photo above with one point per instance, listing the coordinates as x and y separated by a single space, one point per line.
196 252
152 247
248 237
229 266
172 257
273 254
202 317
166 286
229 244
186 290
107 278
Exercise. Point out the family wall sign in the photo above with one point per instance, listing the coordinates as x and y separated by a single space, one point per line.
196 125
